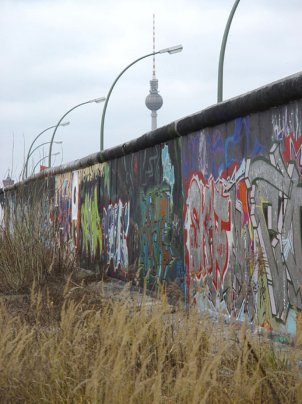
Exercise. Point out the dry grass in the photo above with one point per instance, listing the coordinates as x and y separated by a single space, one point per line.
29 251
73 345
67 343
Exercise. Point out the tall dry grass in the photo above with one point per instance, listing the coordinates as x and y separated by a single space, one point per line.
29 246
74 344
91 348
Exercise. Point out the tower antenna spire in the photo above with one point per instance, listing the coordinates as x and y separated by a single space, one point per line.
154 47
153 100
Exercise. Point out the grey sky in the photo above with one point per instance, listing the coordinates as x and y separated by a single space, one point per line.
57 54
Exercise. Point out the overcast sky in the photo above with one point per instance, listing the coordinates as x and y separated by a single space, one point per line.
56 54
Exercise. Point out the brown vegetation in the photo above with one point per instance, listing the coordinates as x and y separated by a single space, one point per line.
63 342
75 344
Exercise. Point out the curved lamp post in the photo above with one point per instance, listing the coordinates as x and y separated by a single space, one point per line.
97 100
40 145
173 49
222 52
25 169
36 148
43 158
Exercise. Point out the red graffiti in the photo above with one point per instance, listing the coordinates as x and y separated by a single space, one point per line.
207 222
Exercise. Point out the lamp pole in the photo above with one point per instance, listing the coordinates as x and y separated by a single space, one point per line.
40 145
222 52
96 100
25 168
173 49
43 158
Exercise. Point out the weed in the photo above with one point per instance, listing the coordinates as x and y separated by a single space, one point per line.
100 349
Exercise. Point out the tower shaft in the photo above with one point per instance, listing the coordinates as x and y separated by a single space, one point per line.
154 100
153 120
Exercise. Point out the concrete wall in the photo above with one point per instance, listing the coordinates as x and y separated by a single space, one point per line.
211 202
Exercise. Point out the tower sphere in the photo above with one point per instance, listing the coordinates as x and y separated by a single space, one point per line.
154 101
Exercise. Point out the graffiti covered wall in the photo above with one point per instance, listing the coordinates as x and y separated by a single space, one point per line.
242 217
216 212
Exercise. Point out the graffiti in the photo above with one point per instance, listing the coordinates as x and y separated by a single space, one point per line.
88 188
116 227
150 167
276 202
217 212
155 235
286 121
293 150
239 285
91 228
194 146
75 211
168 169
75 196
224 151
207 231
63 202
270 200
287 127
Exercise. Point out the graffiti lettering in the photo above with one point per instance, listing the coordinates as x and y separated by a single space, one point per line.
276 201
207 228
115 227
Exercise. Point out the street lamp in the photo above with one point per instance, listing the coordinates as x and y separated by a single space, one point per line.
171 50
96 100
40 145
222 52
32 152
43 158
24 174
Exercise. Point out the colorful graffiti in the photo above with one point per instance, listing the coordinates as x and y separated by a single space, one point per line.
217 242
217 212
207 224
63 187
155 250
115 232
252 208
87 215
276 202
91 224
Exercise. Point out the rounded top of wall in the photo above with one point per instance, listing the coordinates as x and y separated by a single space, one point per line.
271 95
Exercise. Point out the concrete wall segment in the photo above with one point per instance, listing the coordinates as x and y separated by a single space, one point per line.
210 203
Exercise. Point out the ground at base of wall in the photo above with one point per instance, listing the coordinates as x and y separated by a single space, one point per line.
113 328
84 286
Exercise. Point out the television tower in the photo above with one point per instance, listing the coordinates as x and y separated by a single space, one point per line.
153 100
7 182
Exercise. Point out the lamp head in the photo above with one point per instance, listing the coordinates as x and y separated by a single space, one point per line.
97 100
172 49
65 123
